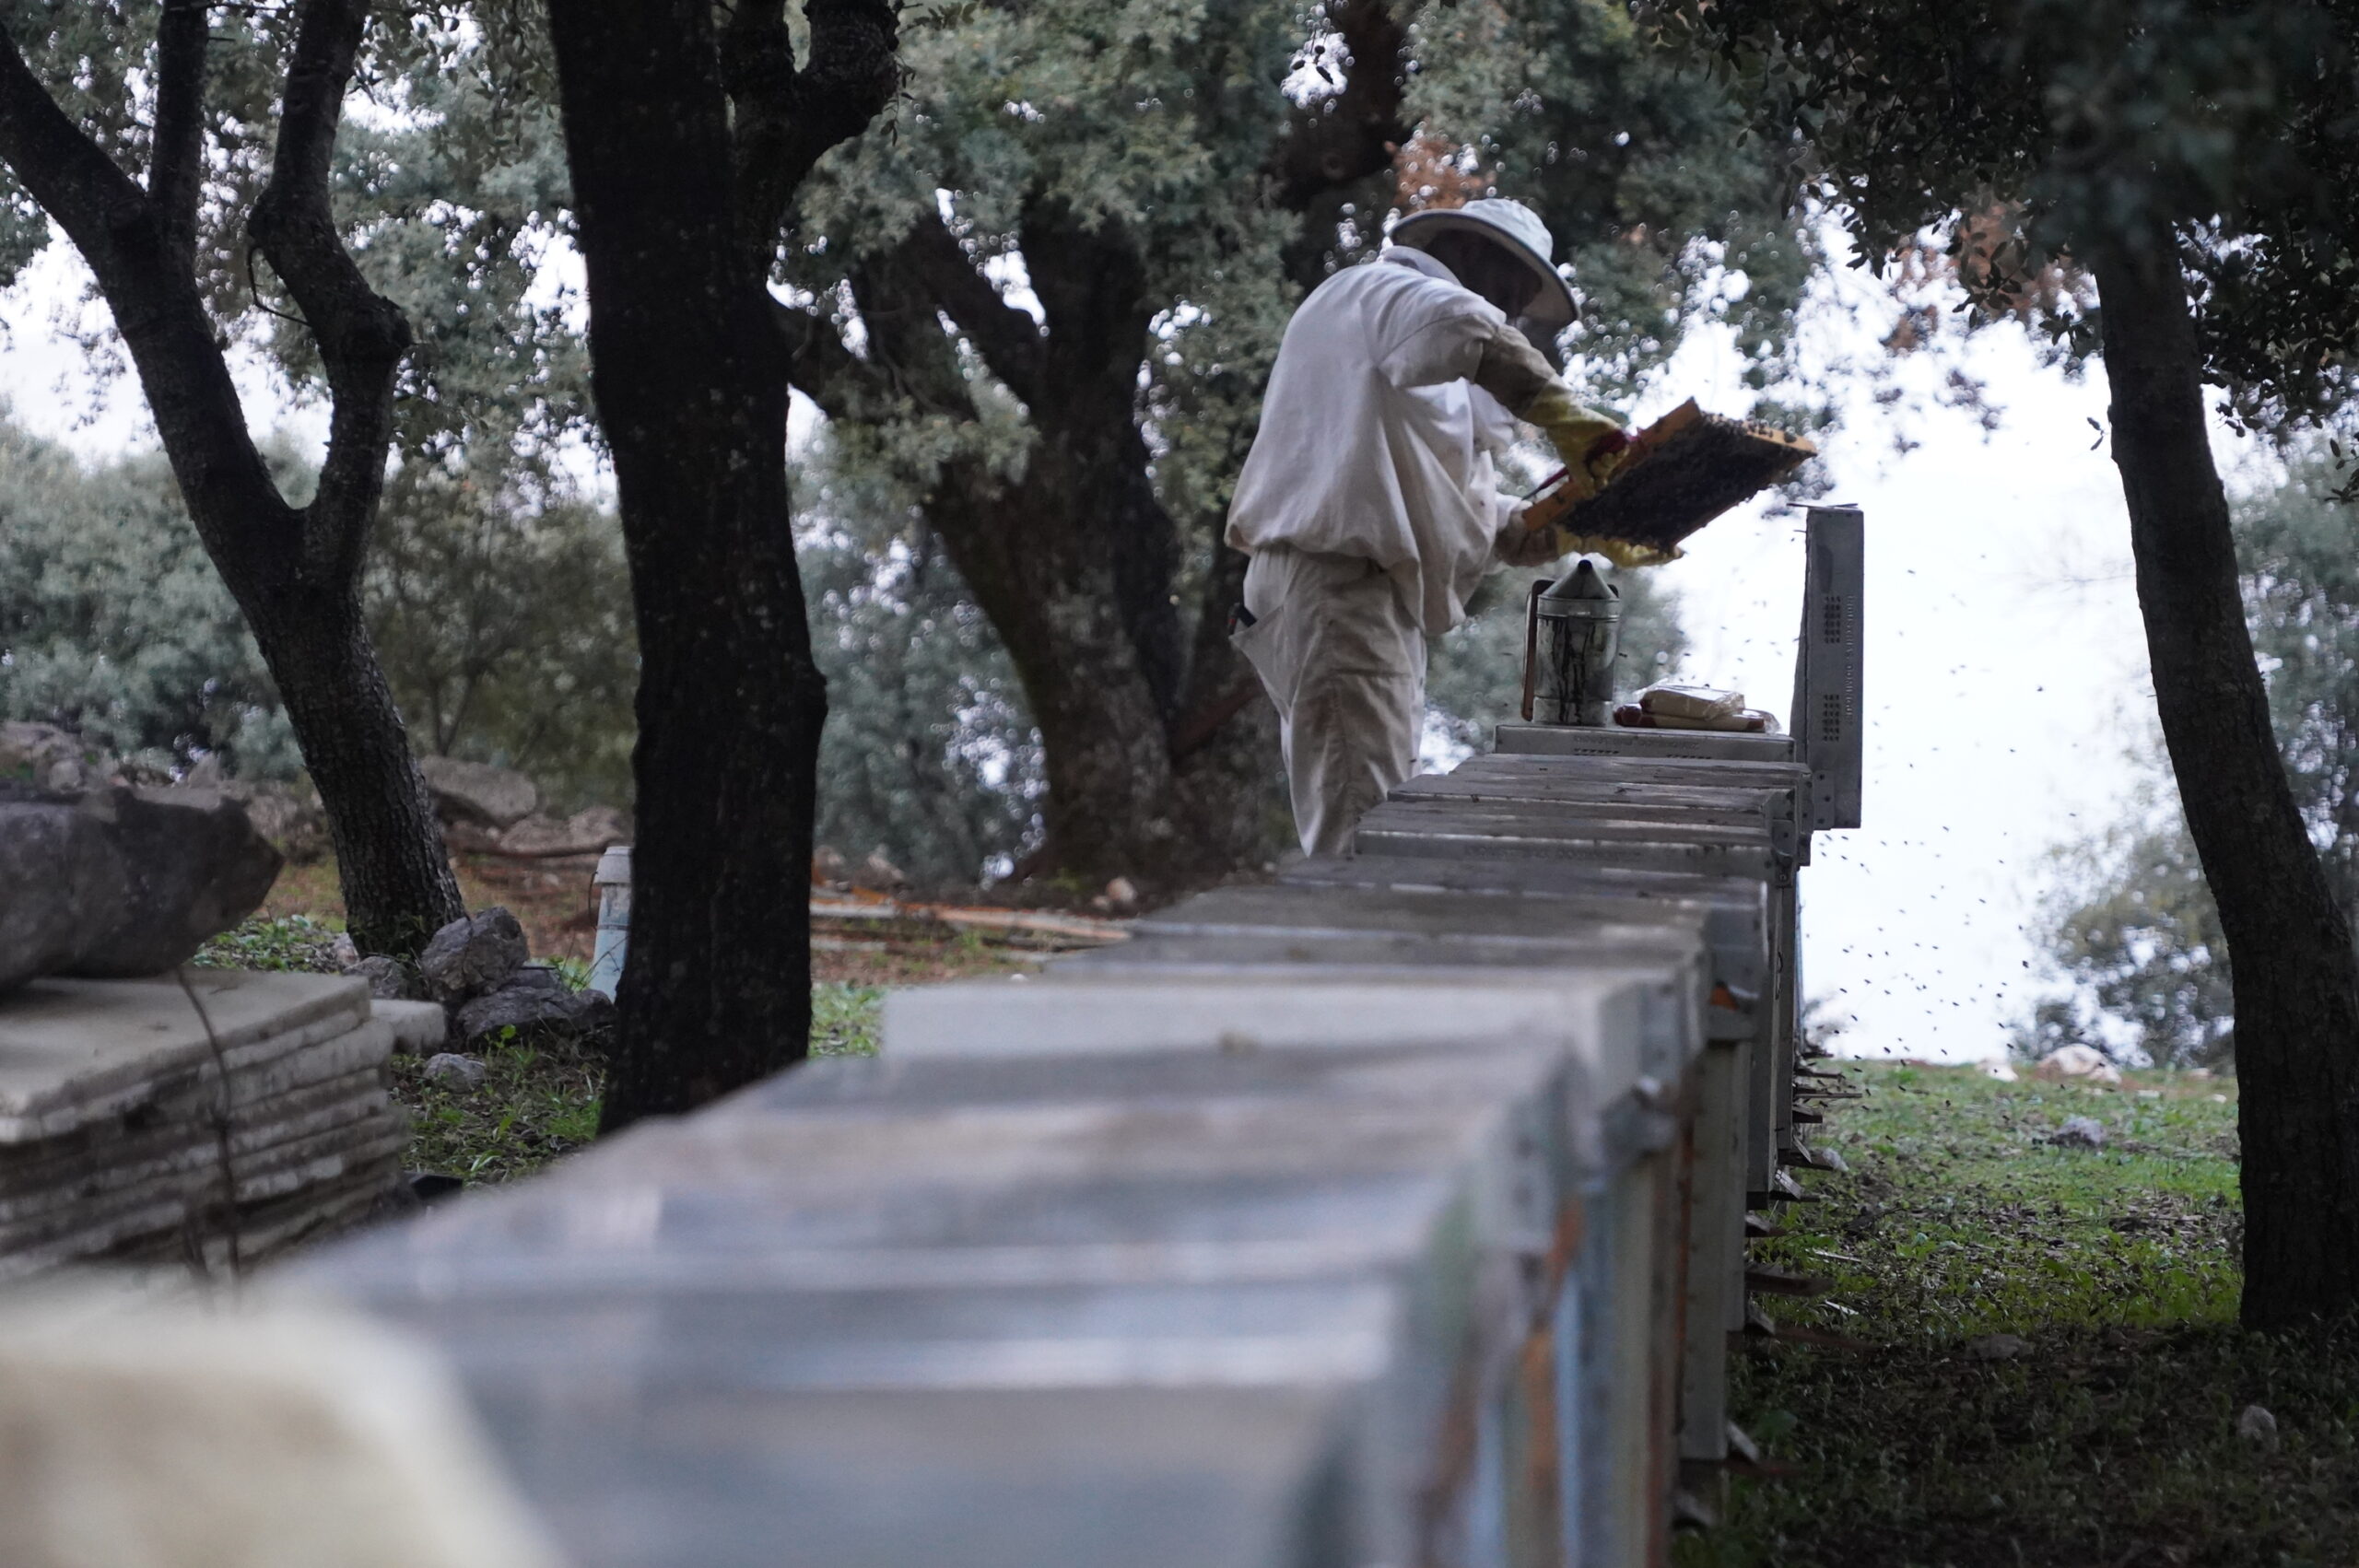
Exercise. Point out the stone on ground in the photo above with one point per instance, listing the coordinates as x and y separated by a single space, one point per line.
472 955
2080 1132
2077 1064
122 882
387 978
454 1071
50 758
478 792
535 1004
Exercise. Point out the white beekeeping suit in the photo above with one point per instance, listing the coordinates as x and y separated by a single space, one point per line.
1370 502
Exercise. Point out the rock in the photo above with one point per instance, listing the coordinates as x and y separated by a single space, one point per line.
534 1009
829 867
454 1071
421 1028
1122 893
586 831
1998 1068
2078 1064
50 758
472 955
879 874
345 955
2255 1425
1997 1347
478 792
120 882
389 978
2079 1133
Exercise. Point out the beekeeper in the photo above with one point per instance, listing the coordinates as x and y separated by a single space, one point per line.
1369 503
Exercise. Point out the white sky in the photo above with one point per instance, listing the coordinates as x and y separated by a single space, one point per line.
2006 669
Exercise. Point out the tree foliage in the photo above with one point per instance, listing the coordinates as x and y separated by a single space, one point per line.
2076 121
113 624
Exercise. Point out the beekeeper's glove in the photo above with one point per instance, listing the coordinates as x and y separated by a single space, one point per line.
1590 443
1513 372
1520 545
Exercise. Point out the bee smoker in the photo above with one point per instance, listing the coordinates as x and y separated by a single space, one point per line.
1572 630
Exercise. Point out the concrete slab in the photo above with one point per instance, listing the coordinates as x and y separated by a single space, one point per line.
72 1051
31 1186
421 1028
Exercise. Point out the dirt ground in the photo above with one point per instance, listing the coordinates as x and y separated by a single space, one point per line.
557 907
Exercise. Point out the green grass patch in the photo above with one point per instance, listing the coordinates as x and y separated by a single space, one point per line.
2111 1438
285 942
540 1102
843 1018
536 1102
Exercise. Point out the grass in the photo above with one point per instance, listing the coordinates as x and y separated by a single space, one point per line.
2110 1438
287 942
537 1101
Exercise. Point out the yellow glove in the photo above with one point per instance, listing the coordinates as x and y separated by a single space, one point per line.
1520 545
1590 443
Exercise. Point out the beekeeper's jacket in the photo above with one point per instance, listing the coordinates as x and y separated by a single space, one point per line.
1373 444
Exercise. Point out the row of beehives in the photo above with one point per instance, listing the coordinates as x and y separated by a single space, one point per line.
212 1119
1393 1214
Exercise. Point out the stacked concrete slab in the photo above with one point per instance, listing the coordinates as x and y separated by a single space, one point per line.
149 1119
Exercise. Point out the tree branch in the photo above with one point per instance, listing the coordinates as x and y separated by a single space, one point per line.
176 166
844 385
1007 338
361 335
905 336
70 175
117 230
786 118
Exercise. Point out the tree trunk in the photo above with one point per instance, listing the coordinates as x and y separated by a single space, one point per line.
2296 981
398 889
690 379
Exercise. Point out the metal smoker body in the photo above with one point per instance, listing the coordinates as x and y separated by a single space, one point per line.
1572 632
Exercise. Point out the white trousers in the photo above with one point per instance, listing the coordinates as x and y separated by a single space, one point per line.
1345 667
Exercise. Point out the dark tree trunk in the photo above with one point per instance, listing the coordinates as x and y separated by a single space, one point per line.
2296 980
294 572
1073 560
677 222
398 889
